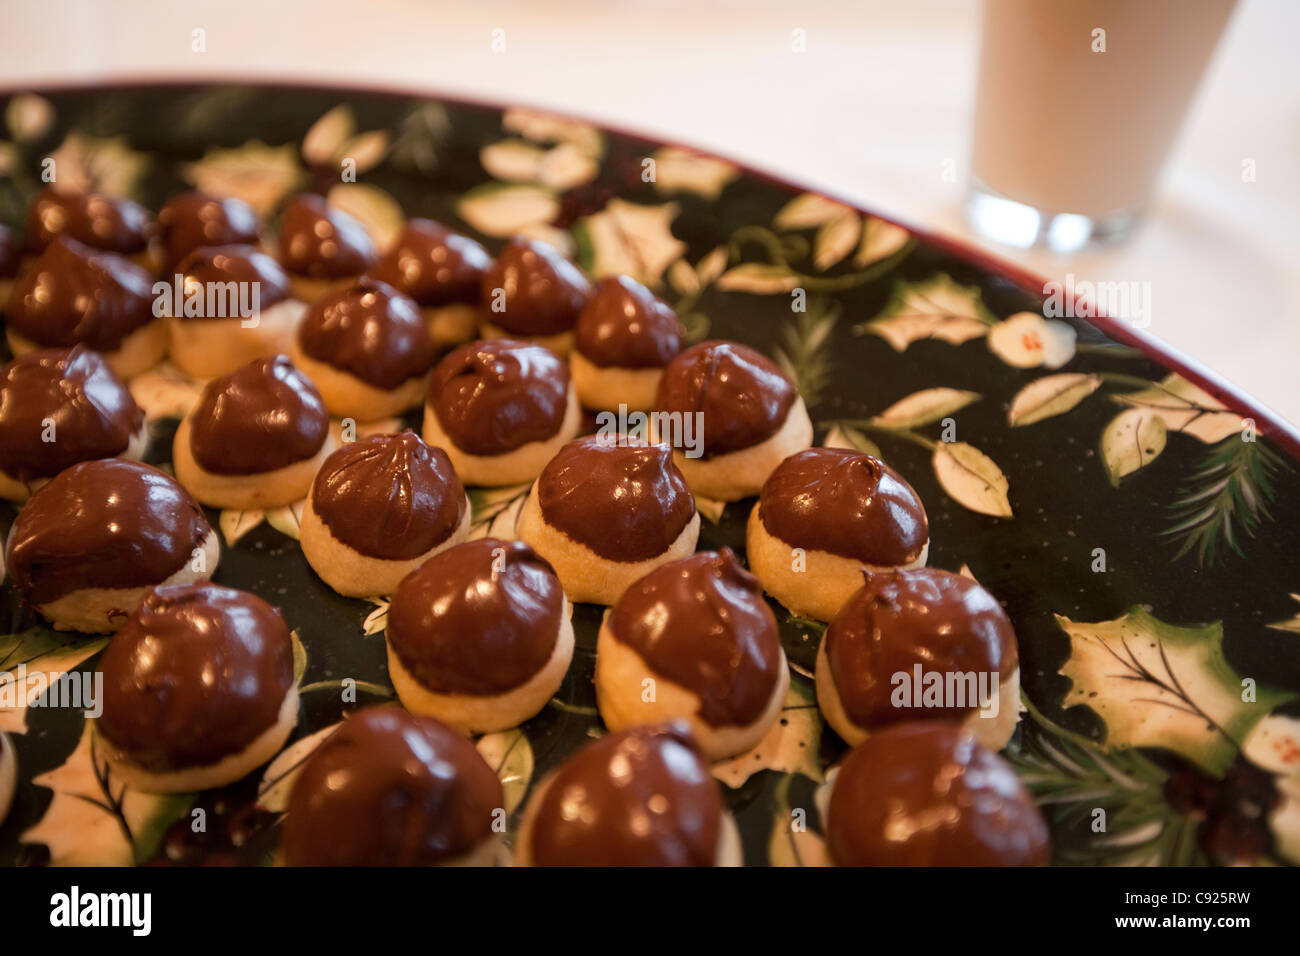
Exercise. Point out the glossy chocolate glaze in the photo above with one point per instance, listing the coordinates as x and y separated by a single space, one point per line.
75 294
480 618
389 788
926 794
702 624
626 502
321 242
544 292
434 265
72 390
495 395
625 325
369 330
236 263
194 219
10 254
642 797
101 222
389 496
743 395
198 673
898 619
262 416
846 503
108 523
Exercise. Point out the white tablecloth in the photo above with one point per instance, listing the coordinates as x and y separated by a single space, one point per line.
871 111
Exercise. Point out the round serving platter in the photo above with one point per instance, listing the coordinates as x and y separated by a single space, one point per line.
1137 521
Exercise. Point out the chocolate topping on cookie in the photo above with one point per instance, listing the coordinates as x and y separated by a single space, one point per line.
943 622
389 788
702 624
925 794
194 219
743 396
108 523
496 395
263 416
321 242
70 394
480 618
845 503
209 266
74 294
623 499
624 325
389 496
642 797
434 265
195 675
101 222
369 330
544 292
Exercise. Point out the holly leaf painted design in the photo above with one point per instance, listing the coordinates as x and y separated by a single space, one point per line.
937 308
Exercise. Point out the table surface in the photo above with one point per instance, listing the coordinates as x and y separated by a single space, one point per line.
876 110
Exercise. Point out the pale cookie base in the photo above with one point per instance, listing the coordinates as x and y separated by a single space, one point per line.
561 343
609 387
740 474
105 610
729 849
11 489
451 325
515 467
585 575
138 352
269 489
347 396
309 290
227 770
472 714
827 581
8 776
992 732
620 682
353 574
206 348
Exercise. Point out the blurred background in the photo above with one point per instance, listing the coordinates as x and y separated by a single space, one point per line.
877 109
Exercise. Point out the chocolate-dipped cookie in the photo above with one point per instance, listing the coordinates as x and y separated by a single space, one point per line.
322 248
624 337
107 223
532 292
75 295
928 794
823 517
198 689
234 305
443 272
10 261
190 220
367 349
501 409
389 788
923 644
694 640
639 797
479 636
87 545
254 439
59 407
606 511
745 415
378 509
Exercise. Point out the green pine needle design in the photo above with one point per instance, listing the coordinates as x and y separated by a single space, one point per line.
802 353
1225 500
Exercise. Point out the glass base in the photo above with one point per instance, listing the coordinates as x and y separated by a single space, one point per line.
999 219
